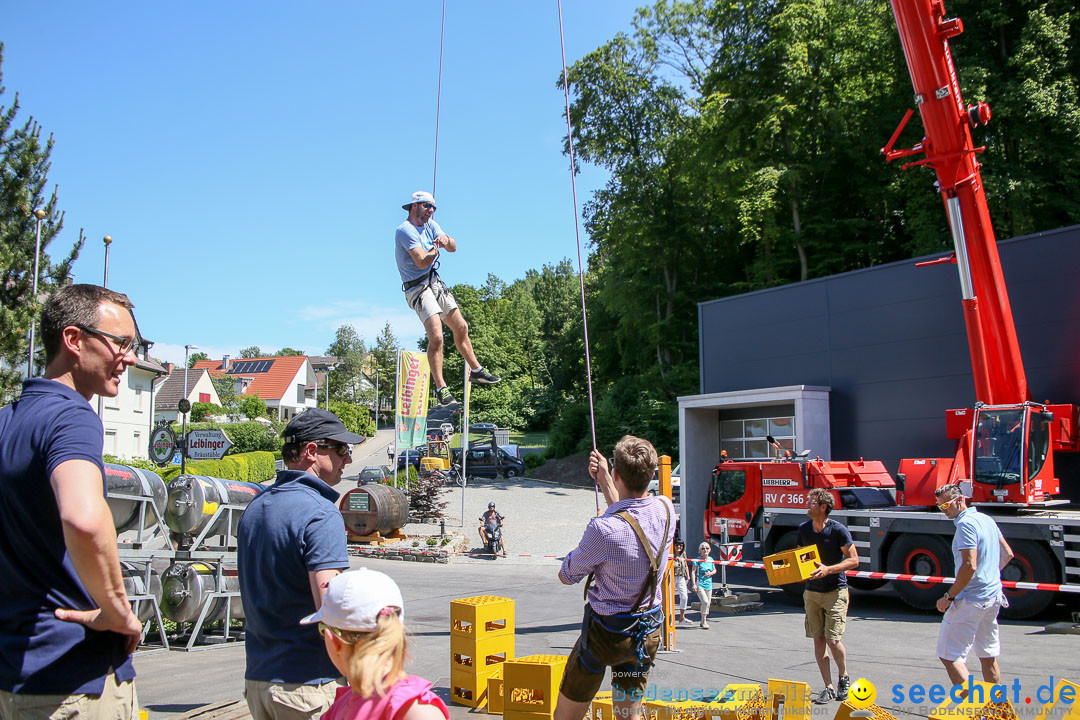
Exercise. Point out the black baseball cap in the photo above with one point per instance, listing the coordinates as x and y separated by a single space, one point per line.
316 424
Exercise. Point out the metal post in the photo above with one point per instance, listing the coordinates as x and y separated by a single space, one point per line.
40 215
183 430
376 397
724 591
108 241
328 369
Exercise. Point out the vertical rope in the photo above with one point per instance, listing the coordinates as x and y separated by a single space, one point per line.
577 235
438 100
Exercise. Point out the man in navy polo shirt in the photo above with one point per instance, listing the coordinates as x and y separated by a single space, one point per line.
66 627
290 543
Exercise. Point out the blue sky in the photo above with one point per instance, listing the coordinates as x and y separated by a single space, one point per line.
250 159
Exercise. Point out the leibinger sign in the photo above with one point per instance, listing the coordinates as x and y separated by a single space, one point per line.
412 395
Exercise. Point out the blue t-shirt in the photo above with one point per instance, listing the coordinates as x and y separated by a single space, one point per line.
977 531
48 425
705 583
831 541
289 530
407 237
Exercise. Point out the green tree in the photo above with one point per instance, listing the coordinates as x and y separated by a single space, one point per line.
287 351
356 418
24 167
197 357
385 355
346 381
252 406
252 351
225 386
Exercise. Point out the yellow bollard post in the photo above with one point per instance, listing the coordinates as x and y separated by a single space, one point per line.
667 585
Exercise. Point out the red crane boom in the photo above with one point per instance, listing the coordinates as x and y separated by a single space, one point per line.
1005 447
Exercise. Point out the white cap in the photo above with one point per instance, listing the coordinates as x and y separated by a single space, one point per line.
418 197
355 598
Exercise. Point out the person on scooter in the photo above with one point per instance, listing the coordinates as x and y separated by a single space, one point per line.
491 516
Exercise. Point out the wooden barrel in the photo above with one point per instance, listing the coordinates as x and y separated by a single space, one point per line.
374 508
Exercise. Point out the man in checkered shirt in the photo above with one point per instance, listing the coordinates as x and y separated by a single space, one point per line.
626 550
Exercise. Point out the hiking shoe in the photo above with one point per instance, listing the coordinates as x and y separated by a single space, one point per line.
842 687
444 396
482 377
825 696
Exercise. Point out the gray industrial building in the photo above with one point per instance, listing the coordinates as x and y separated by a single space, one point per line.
865 363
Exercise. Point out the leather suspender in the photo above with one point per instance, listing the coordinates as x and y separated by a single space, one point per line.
649 588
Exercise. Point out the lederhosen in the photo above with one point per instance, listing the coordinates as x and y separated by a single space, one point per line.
640 622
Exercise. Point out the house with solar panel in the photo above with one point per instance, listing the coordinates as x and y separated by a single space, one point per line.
287 384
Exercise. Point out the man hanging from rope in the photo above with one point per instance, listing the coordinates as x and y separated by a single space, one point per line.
416 246
626 549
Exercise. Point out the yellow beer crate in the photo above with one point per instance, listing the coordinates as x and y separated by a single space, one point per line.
495 693
480 656
791 566
482 616
980 704
739 701
601 707
788 699
531 684
846 712
469 688
678 709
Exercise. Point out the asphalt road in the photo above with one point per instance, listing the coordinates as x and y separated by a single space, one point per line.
887 642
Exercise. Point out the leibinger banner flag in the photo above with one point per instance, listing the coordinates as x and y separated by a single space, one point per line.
412 399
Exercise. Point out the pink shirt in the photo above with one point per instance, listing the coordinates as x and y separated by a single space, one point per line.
392 706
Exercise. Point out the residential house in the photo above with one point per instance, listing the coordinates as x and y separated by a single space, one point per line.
128 418
286 384
169 391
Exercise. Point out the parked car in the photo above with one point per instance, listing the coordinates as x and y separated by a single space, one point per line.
409 457
374 474
481 463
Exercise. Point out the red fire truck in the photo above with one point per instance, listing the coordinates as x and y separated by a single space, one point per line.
1005 444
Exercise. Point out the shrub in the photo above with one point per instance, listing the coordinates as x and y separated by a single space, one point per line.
253 467
253 406
425 496
133 462
202 410
356 418
432 542
533 460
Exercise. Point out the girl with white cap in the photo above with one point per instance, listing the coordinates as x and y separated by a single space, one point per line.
362 621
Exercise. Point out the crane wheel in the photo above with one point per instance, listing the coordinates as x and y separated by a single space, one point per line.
920 555
1033 563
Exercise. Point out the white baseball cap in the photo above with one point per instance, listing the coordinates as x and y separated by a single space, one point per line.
354 600
418 197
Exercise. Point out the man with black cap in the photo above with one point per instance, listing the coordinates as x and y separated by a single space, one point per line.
417 243
291 542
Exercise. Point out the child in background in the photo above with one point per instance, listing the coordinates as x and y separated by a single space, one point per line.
362 621
680 572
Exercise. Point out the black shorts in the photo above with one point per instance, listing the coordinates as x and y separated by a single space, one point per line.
598 648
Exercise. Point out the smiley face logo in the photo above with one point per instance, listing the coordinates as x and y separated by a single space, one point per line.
862 693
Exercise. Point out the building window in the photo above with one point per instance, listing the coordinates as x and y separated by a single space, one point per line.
138 400
137 446
299 394
745 439
204 397
110 442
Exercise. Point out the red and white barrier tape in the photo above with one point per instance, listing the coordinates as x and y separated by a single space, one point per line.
927 579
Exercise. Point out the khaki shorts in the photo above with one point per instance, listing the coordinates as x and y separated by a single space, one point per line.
289 701
608 649
826 613
428 300
116 702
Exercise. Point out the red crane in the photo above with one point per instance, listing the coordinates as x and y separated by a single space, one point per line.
1005 445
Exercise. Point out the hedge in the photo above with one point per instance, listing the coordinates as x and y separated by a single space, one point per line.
253 467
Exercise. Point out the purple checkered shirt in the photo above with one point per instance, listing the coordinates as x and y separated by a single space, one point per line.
610 548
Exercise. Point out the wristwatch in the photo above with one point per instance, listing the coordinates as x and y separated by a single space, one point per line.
949 597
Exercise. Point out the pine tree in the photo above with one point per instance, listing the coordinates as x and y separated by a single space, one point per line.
24 167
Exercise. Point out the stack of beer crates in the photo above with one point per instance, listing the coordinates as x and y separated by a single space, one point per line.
481 640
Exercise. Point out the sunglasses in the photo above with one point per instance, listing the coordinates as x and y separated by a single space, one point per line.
945 505
341 449
126 344
346 636
427 206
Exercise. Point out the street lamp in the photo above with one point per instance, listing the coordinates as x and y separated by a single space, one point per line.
183 397
108 241
376 398
40 215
